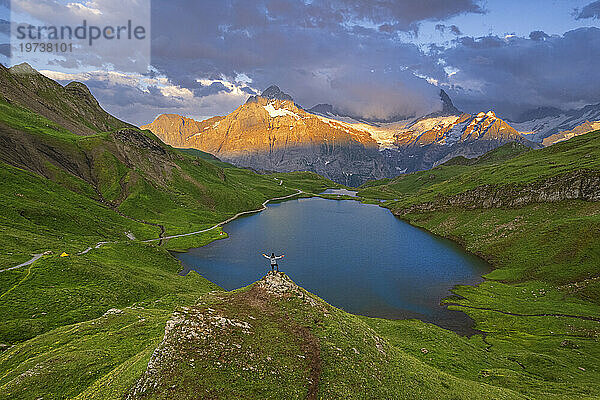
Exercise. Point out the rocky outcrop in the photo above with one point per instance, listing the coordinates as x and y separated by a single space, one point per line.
545 122
578 185
272 93
280 285
139 140
239 332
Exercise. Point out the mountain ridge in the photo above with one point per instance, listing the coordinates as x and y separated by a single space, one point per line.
541 124
272 133
71 106
275 135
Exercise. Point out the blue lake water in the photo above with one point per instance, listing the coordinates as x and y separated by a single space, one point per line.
357 257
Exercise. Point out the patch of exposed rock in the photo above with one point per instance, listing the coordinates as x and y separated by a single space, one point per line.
279 284
191 333
578 185
140 140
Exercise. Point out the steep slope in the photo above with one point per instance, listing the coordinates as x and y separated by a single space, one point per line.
175 130
271 134
71 106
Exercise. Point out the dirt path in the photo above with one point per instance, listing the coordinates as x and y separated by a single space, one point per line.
264 207
34 259
162 236
18 283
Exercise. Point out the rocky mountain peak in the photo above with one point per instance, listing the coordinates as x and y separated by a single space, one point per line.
538 113
23 68
322 109
280 285
277 283
448 107
274 93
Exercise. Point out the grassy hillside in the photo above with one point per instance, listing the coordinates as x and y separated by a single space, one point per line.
541 305
72 106
118 321
510 164
275 340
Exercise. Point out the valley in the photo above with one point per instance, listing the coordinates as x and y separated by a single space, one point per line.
120 321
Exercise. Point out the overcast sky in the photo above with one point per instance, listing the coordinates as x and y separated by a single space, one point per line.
375 58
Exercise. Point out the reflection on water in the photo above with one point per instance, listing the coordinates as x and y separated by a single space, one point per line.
341 192
357 257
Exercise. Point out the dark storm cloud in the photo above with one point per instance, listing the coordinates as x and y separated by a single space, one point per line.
592 10
125 95
323 51
404 15
538 35
453 29
5 49
4 27
513 73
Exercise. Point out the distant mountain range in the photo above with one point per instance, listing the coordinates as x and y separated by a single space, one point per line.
272 133
550 125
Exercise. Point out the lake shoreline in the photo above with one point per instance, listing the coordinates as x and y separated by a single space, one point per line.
440 306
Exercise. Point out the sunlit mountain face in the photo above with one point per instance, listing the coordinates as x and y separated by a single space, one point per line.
349 89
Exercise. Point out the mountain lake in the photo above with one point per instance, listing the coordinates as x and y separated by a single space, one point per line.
357 257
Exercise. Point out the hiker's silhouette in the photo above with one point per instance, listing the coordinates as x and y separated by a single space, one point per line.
273 260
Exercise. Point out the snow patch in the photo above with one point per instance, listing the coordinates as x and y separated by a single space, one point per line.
279 112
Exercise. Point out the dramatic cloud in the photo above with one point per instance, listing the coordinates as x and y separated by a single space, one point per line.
139 99
322 51
126 54
509 74
592 10
365 57
453 29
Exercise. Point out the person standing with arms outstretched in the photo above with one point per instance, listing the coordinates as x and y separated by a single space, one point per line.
274 260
